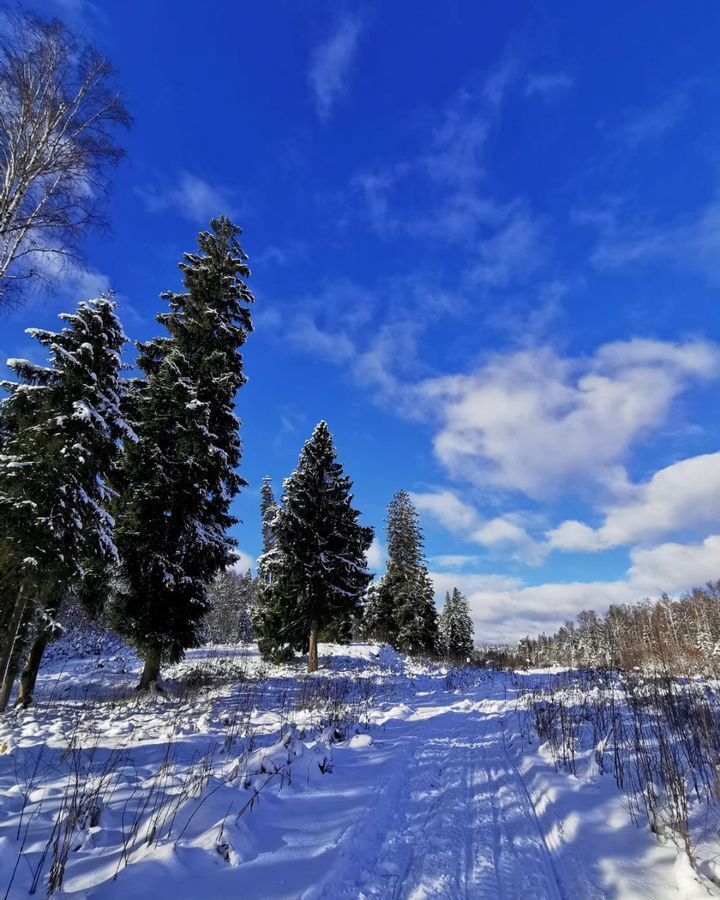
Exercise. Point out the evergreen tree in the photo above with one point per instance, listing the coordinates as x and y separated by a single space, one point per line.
178 478
268 508
61 428
317 567
379 616
268 619
455 628
231 598
404 611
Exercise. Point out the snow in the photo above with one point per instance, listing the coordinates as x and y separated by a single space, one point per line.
378 776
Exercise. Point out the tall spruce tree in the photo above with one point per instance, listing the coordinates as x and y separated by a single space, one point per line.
403 611
268 507
268 618
61 428
316 566
455 628
178 478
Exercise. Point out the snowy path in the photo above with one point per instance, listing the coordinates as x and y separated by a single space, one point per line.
464 827
434 795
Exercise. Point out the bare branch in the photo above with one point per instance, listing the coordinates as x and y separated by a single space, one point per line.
59 115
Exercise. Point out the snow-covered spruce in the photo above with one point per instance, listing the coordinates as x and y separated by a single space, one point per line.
315 572
455 628
401 611
60 430
178 478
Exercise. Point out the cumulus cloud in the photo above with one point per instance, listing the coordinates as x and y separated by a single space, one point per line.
541 424
681 496
506 532
243 562
375 555
504 608
445 506
675 567
331 64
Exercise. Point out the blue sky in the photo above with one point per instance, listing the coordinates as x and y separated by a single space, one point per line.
485 243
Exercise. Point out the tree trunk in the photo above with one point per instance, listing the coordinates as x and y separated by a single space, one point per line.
10 652
32 667
151 672
313 652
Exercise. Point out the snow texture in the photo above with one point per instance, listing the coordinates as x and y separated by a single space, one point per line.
376 777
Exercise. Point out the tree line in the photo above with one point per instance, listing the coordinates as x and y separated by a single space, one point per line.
680 635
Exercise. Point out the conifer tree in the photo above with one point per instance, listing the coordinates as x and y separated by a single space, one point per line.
455 628
317 566
178 478
61 426
232 598
403 612
268 508
379 616
270 624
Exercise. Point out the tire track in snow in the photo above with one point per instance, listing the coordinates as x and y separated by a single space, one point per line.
464 826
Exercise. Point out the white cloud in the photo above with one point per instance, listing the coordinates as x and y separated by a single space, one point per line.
504 609
445 506
535 422
331 64
499 532
243 562
375 555
681 496
192 197
454 560
505 532
675 567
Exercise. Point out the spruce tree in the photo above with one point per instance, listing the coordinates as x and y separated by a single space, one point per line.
379 616
317 566
232 600
179 477
455 628
404 611
267 513
269 622
61 428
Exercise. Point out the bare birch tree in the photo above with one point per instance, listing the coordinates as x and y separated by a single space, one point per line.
59 115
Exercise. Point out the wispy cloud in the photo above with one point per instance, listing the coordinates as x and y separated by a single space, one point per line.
643 126
331 64
547 84
192 197
691 243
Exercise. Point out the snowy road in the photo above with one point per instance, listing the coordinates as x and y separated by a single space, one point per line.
465 826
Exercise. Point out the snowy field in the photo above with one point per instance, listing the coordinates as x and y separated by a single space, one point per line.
377 777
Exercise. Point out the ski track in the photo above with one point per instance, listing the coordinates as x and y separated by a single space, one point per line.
464 825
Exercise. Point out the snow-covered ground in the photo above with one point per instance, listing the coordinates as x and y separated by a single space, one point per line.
377 777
